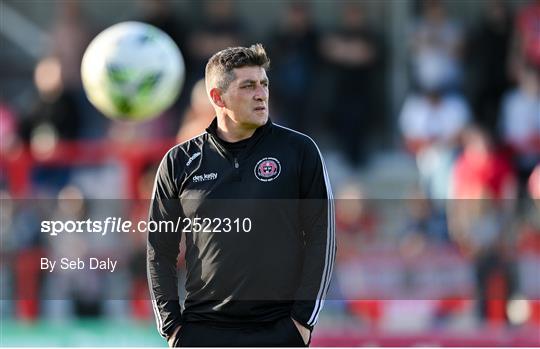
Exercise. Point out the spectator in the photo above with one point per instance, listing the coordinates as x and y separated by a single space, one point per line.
520 120
484 191
526 41
70 36
482 171
351 53
487 54
432 117
294 46
198 116
52 118
56 109
432 122
437 48
219 28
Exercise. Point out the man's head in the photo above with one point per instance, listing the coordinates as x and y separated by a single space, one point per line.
237 85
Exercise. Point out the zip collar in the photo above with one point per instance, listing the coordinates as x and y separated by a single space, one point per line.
253 140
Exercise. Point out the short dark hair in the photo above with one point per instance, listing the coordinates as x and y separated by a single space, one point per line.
219 68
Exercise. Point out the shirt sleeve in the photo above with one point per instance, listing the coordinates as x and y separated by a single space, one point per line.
163 248
317 224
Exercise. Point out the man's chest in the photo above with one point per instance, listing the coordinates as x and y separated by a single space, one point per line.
266 174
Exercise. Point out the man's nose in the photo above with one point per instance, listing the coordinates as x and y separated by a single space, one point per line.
261 93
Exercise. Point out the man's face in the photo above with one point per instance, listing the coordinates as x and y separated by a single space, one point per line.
246 98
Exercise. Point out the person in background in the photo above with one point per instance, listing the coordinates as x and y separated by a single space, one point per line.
480 220
351 53
526 40
70 35
219 28
294 46
486 57
198 115
432 122
437 48
520 122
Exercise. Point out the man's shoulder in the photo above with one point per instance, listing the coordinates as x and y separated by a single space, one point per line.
296 138
293 136
187 149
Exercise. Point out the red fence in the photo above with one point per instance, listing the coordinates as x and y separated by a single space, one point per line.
18 164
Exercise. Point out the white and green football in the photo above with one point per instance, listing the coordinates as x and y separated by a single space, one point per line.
132 71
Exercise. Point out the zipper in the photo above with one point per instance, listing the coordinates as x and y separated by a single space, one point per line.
236 176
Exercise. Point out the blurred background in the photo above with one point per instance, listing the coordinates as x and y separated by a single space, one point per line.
428 115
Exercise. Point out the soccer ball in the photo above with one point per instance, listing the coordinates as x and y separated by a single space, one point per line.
132 71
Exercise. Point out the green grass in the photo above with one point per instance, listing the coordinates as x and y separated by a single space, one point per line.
79 333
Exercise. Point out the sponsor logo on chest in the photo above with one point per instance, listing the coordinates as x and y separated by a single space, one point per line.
205 177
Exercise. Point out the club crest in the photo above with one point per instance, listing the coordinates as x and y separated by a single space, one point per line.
267 169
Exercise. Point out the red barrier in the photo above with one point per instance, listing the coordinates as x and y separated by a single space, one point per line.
484 337
18 164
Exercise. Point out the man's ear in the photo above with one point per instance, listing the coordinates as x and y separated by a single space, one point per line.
215 95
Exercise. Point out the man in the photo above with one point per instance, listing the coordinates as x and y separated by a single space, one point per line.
256 209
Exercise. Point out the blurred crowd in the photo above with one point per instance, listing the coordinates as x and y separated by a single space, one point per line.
468 231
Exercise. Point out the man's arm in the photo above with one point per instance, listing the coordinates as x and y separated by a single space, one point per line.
163 249
317 220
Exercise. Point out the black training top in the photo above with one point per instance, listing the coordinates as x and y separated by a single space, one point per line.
259 230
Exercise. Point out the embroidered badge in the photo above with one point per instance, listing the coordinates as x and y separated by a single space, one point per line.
267 169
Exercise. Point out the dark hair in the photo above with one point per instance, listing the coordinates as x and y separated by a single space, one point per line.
220 66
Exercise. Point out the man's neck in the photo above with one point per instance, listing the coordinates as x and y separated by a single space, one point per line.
232 132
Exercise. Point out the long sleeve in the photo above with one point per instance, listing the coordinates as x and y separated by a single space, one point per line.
163 249
317 223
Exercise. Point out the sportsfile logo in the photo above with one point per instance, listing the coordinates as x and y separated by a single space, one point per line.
205 177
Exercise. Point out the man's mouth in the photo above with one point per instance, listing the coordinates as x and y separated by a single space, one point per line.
260 108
